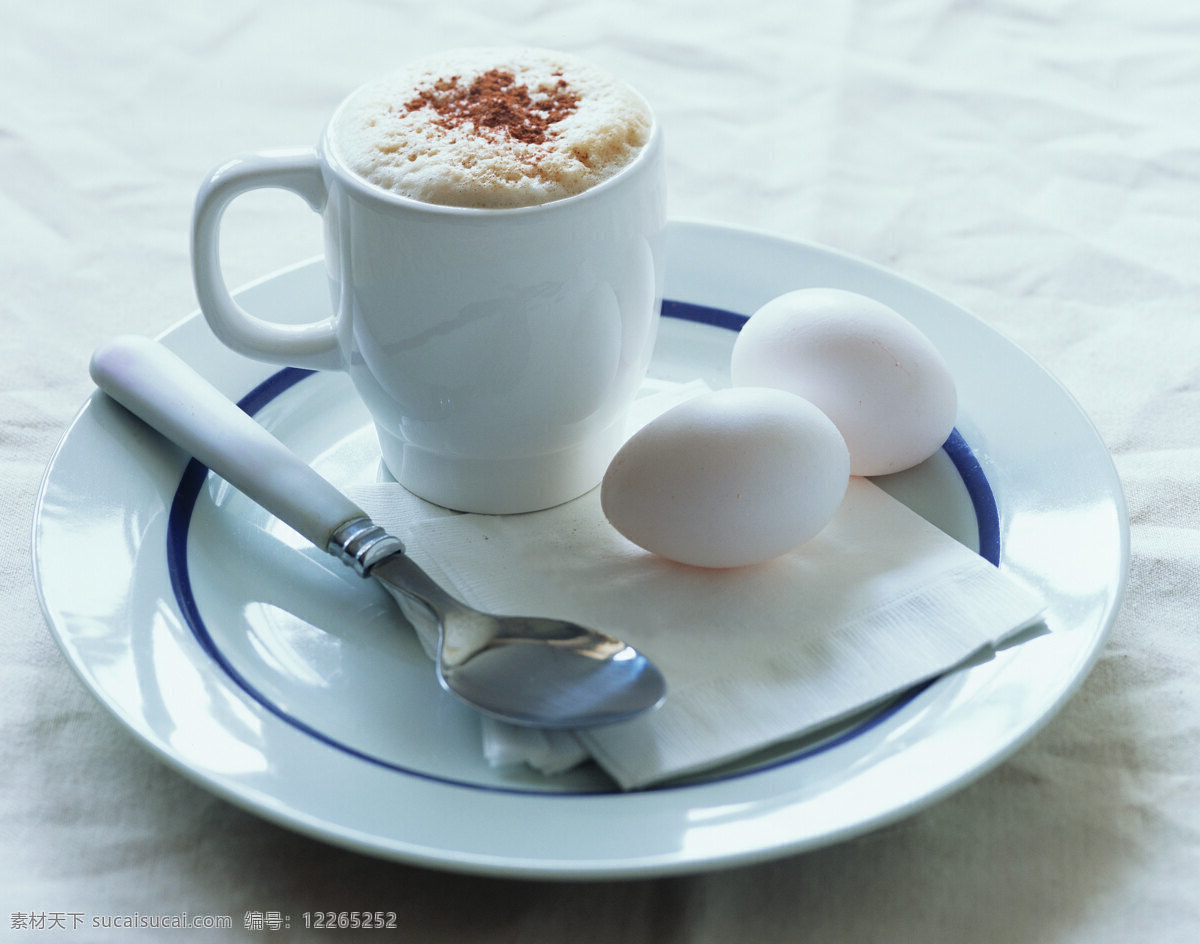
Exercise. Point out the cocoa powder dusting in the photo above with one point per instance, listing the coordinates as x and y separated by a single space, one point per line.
494 101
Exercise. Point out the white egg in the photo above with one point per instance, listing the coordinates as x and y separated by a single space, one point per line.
872 371
730 478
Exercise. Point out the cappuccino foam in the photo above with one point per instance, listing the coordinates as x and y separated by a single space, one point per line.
491 128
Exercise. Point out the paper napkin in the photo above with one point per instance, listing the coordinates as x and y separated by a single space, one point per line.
879 601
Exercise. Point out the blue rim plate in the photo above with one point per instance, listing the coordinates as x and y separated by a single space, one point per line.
224 644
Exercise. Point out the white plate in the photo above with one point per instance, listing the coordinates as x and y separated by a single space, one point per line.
276 679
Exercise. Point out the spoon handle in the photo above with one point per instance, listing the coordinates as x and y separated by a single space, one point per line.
160 388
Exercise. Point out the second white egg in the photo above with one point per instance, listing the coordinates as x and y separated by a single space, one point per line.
730 478
872 371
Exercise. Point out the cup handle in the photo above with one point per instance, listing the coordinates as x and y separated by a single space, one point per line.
311 345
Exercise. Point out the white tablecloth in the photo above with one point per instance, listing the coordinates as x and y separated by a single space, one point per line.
1037 161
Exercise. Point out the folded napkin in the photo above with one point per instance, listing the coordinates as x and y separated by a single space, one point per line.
879 601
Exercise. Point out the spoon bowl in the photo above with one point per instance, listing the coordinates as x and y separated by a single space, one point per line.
521 669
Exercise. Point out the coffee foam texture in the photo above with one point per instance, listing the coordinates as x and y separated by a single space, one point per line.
408 153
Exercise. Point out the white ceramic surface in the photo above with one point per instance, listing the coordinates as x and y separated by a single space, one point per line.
276 680
496 350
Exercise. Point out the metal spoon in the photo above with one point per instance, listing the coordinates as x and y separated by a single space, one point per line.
524 670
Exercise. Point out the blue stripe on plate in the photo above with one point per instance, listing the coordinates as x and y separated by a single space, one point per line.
191 484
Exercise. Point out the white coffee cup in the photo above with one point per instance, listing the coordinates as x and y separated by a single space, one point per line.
497 350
